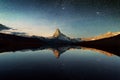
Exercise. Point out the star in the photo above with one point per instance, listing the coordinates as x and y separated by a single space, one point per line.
63 8
98 13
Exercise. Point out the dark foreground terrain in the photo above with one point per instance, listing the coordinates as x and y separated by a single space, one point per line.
10 42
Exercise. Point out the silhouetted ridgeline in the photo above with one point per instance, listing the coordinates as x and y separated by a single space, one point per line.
13 40
110 42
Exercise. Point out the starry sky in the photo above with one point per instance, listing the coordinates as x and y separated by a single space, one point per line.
75 18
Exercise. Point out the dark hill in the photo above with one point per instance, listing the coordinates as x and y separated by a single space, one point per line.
105 42
13 41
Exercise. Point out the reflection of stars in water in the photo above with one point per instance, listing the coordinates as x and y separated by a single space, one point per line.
63 8
98 60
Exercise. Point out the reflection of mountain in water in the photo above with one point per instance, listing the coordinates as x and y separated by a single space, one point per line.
58 50
98 50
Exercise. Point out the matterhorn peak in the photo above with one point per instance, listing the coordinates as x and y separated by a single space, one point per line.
60 35
57 33
58 30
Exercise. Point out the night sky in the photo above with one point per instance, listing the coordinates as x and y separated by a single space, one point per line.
75 18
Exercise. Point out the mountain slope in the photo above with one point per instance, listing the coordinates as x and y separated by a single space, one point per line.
102 36
61 36
108 42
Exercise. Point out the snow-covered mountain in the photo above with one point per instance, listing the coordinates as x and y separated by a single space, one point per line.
102 36
60 36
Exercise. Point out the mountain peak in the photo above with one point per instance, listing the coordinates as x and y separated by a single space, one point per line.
57 33
58 30
60 35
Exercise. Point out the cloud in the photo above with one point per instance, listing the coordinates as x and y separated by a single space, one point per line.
3 27
18 33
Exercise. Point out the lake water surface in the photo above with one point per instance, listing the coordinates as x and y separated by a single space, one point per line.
75 64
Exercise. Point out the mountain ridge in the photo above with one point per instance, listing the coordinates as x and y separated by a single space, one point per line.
101 36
